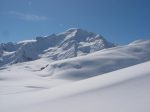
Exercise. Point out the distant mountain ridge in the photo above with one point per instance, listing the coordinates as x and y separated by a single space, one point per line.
71 43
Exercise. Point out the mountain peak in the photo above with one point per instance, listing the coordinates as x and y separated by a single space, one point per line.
72 29
78 31
71 43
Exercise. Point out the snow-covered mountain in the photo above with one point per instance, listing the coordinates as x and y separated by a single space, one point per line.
71 43
100 62
74 71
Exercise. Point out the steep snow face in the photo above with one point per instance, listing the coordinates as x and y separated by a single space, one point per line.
71 43
80 42
8 47
100 62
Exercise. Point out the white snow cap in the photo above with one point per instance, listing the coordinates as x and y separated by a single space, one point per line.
71 43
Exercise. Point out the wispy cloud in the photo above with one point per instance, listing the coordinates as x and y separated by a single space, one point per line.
28 17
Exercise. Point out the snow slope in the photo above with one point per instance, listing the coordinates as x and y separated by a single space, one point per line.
74 71
100 62
125 90
44 74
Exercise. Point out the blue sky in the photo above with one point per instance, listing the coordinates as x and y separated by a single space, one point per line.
119 21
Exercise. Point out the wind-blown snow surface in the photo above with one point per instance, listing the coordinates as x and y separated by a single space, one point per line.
125 90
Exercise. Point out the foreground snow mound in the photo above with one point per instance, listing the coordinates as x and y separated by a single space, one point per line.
72 43
125 90
100 62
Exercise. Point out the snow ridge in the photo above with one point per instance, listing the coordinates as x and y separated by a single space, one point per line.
71 43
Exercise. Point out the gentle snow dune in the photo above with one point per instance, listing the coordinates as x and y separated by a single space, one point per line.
23 77
125 90
100 62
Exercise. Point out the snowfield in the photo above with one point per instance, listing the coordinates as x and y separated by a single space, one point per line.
74 71
125 90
